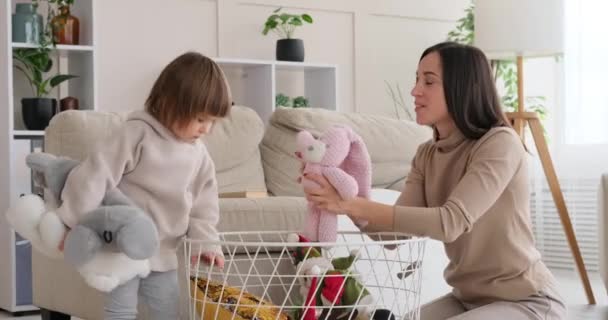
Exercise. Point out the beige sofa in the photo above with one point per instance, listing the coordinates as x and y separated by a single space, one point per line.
247 157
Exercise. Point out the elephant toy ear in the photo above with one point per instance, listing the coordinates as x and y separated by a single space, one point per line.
81 245
138 238
39 163
50 171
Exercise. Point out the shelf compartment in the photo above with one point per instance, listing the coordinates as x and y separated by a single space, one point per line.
28 134
59 47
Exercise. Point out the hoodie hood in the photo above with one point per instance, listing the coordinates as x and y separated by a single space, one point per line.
147 118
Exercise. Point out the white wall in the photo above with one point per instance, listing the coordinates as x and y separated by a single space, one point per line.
135 39
370 41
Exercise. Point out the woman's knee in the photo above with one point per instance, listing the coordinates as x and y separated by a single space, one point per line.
441 308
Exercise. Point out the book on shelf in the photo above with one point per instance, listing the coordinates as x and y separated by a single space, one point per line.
244 194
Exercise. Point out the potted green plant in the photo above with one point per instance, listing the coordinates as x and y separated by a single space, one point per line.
34 63
300 102
282 100
284 25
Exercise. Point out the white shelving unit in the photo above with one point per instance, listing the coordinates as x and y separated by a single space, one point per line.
16 141
254 83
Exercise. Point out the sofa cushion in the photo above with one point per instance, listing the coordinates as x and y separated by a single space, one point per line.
234 146
233 143
391 143
262 214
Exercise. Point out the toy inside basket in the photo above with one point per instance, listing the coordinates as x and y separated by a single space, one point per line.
276 275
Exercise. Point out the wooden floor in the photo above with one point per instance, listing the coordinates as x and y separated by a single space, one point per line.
587 312
569 286
574 313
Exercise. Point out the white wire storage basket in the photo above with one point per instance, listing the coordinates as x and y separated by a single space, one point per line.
272 275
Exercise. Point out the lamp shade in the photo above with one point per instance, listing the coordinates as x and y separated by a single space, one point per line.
527 28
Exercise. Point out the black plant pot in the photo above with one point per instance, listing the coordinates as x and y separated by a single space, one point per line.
37 112
290 50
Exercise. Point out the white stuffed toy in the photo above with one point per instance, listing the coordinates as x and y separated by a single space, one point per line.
325 283
110 245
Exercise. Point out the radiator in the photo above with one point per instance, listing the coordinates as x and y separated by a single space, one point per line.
581 200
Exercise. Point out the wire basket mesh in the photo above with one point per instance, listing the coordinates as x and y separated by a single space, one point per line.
269 275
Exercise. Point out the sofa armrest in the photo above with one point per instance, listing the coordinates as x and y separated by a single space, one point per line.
59 287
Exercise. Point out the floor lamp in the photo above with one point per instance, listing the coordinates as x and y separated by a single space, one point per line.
518 29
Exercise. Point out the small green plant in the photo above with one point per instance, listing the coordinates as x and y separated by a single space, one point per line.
59 3
465 29
300 102
398 101
34 63
282 100
284 24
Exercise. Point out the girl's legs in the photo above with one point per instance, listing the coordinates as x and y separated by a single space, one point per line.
442 308
160 291
121 303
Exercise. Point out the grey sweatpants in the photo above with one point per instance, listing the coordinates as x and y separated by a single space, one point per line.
159 291
545 305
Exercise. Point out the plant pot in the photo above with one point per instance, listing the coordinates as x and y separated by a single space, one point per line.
26 24
37 112
290 50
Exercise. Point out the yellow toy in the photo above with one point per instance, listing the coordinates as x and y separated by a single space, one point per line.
218 304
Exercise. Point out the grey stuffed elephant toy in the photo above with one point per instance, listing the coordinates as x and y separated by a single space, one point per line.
109 246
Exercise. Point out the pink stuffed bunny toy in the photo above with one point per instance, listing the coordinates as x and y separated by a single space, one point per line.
342 158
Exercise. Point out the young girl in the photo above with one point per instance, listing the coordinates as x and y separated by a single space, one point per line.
468 187
159 162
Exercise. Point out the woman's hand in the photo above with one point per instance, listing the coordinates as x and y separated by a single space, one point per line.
325 197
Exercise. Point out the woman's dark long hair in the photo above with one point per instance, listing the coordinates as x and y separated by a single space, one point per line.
469 89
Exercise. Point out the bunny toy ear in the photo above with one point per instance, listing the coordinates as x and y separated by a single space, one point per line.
358 164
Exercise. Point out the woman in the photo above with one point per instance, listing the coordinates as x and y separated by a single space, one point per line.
468 187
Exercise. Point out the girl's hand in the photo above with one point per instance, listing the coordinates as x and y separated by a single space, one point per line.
209 259
325 197
62 243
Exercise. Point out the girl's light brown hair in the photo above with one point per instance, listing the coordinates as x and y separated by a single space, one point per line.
189 86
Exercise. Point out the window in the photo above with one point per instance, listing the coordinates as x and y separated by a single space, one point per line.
586 72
